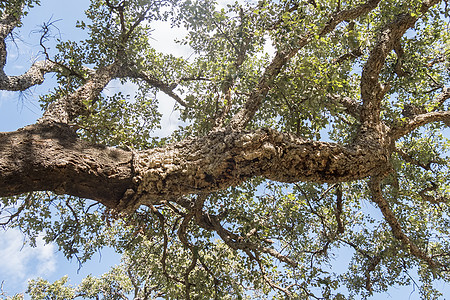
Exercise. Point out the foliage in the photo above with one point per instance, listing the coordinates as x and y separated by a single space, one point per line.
321 227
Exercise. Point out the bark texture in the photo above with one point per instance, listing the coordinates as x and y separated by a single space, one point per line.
50 157
226 158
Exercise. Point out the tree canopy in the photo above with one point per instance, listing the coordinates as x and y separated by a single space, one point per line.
316 170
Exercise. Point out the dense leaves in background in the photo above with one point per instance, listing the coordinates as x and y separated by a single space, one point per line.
311 160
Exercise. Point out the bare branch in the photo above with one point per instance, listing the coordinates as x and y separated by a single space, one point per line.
166 88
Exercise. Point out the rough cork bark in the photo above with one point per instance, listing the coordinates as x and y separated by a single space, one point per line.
49 156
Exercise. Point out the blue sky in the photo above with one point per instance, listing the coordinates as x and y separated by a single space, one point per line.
19 262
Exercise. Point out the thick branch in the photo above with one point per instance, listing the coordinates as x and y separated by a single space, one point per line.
283 56
68 108
226 158
372 91
50 157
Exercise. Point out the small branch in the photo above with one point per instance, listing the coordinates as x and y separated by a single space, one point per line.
212 223
237 242
280 20
167 89
189 269
431 199
412 160
267 279
136 24
397 231
355 53
211 274
25 204
162 222
225 35
351 106
373 263
441 98
340 225
230 82
418 121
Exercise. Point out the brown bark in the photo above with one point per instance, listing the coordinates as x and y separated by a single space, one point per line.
372 90
50 157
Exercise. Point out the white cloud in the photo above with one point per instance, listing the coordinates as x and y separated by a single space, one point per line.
20 262
163 39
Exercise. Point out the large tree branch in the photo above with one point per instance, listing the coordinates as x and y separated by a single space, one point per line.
226 158
372 91
283 56
69 107
48 156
